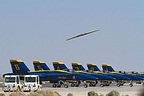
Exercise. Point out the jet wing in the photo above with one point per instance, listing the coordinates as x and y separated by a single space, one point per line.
86 33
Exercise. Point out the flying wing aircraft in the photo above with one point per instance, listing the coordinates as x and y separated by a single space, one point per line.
86 33
133 77
42 67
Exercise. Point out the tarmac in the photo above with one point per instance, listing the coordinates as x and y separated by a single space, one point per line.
125 90
81 91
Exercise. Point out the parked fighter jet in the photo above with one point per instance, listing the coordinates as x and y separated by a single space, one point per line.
133 77
120 79
86 33
55 77
84 78
61 66
105 80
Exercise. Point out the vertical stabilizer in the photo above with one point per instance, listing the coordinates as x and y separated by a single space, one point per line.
107 67
59 66
77 66
40 65
18 67
93 67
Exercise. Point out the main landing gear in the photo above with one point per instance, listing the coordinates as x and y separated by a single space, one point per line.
60 83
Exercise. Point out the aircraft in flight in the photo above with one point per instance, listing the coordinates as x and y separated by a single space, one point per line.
81 78
86 33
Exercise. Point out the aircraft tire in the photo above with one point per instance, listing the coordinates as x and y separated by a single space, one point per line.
118 85
101 85
72 85
85 85
54 85
66 85
131 85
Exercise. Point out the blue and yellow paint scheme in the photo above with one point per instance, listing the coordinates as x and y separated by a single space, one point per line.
41 66
62 66
104 79
120 79
56 77
133 77
93 67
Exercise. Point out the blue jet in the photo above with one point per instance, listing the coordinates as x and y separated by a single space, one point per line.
120 79
56 77
133 77
84 78
104 80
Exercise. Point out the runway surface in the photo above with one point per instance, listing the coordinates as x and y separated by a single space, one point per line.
81 91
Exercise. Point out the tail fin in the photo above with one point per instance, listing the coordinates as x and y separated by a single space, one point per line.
77 66
93 67
39 65
59 66
107 67
18 67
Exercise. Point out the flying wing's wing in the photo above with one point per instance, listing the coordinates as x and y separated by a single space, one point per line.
82 34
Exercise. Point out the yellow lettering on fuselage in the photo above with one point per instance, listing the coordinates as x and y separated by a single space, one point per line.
62 77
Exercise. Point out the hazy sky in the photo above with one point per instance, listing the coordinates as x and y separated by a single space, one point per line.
37 30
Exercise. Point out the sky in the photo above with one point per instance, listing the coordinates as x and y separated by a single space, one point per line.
37 30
